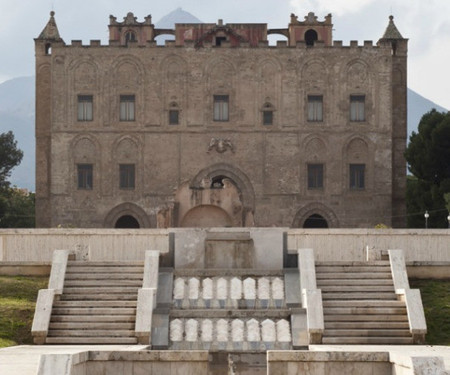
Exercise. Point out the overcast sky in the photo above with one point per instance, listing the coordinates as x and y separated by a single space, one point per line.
426 23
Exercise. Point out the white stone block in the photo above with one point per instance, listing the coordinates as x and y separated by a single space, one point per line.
151 269
58 271
42 313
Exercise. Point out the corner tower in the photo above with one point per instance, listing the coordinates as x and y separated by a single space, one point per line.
399 51
44 43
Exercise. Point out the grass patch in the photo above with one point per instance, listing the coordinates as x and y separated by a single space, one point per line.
17 301
436 303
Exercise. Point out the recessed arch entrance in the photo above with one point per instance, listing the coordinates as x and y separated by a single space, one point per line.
127 221
315 221
315 215
127 215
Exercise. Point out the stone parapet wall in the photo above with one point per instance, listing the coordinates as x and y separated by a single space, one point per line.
419 245
37 245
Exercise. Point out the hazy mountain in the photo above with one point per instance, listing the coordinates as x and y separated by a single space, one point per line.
168 22
417 107
17 108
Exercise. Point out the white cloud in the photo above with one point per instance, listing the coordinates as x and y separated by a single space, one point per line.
336 7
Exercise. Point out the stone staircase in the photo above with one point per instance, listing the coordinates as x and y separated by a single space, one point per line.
360 305
98 304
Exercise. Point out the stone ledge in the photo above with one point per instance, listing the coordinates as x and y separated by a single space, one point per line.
329 356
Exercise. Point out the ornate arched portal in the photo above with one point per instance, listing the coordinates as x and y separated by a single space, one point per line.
214 192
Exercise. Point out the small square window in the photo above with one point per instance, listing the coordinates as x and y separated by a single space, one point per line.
315 108
267 117
357 176
85 108
127 107
315 176
221 107
174 117
127 176
85 176
357 108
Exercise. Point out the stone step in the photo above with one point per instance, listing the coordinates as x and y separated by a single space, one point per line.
353 275
354 288
101 290
90 333
91 340
367 333
366 325
114 263
103 283
358 296
92 325
365 318
103 276
94 304
364 310
99 297
382 340
354 282
90 318
109 269
375 263
94 311
354 269
365 303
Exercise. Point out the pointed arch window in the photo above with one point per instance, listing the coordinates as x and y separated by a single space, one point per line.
267 114
174 114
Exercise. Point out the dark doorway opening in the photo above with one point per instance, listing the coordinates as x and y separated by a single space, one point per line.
310 37
315 221
127 221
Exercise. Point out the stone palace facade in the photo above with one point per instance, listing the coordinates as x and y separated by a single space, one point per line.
219 128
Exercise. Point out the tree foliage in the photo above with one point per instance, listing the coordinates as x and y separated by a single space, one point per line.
10 157
428 157
16 208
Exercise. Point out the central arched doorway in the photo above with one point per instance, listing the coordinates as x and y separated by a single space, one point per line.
127 221
315 221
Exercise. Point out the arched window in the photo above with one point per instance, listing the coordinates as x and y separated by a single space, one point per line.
310 37
48 49
130 36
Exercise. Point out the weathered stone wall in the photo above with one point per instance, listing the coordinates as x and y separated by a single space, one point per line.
266 163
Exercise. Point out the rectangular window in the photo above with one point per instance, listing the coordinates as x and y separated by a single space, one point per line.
127 176
357 176
267 117
315 108
127 107
85 176
173 117
315 176
221 107
85 108
357 108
